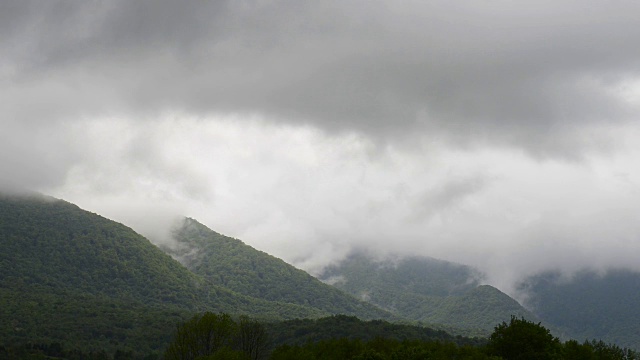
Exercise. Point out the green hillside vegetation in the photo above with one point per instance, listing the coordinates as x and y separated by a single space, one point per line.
55 246
341 337
86 322
67 273
589 305
74 285
220 336
230 263
426 290
302 331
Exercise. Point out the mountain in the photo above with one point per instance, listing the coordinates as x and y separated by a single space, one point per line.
589 305
427 290
66 273
229 263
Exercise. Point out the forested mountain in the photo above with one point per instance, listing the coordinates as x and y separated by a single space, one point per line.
589 305
230 263
69 273
427 290
74 277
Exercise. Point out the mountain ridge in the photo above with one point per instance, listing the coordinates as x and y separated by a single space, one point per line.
589 305
229 262
66 272
426 290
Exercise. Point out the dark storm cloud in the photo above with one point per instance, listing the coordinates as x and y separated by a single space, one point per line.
521 74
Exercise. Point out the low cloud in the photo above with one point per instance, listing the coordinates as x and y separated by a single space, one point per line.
312 198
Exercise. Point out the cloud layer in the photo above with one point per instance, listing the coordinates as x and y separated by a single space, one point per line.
495 133
528 75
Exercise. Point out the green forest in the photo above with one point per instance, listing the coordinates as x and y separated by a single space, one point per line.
229 263
75 285
221 336
450 296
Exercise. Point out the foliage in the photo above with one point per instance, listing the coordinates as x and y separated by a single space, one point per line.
301 331
70 275
518 339
335 337
521 339
589 305
86 322
426 290
55 246
74 285
252 337
377 349
230 263
202 336
58 351
217 336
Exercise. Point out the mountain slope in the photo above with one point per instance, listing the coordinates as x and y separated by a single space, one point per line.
57 246
589 305
302 331
230 263
54 254
426 290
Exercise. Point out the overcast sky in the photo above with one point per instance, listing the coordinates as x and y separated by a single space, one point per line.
500 134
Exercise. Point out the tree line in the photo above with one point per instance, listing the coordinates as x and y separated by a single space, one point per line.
220 336
212 336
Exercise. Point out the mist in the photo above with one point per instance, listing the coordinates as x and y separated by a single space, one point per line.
312 198
497 135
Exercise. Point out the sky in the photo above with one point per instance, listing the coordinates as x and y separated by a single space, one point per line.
498 134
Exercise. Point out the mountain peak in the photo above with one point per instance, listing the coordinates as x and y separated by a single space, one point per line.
230 263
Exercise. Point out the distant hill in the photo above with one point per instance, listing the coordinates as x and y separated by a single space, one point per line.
69 273
589 305
229 263
427 290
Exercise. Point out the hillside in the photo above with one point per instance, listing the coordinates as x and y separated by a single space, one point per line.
302 331
589 305
68 273
230 263
426 290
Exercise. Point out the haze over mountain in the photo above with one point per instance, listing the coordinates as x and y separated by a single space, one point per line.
73 276
229 263
427 290
589 304
500 135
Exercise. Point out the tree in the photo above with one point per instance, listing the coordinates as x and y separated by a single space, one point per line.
202 336
576 351
225 353
252 337
523 340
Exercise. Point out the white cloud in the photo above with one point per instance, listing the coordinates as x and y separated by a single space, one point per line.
310 197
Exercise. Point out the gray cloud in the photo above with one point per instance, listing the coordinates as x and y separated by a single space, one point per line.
35 157
434 201
309 129
523 75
